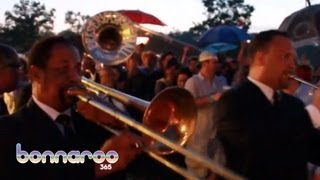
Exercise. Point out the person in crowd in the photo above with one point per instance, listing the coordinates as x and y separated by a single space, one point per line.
305 93
10 71
242 72
219 76
139 50
183 75
162 63
19 96
88 67
265 133
229 68
50 122
169 79
302 91
206 89
149 65
136 79
192 65
149 61
107 76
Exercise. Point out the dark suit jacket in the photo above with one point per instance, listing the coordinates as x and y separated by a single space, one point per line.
264 141
24 96
34 130
3 107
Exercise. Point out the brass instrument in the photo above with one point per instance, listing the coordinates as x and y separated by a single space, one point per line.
169 119
109 37
181 101
172 112
303 81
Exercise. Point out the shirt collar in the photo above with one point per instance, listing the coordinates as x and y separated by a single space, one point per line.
52 113
203 78
266 90
200 76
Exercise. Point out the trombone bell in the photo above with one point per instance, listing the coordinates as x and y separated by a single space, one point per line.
172 113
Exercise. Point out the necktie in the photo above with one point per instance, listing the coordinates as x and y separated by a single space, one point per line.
276 98
65 121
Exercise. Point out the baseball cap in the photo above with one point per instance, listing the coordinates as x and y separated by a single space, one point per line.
206 55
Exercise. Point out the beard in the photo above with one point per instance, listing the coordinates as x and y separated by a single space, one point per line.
284 81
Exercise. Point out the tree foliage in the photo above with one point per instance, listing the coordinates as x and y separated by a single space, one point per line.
232 12
76 20
25 23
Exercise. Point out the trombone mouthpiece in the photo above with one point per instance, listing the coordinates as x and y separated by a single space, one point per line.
77 87
291 76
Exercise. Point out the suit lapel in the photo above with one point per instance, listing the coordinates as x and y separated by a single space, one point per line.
255 93
40 125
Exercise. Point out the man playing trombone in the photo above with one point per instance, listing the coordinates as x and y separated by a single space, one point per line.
53 69
265 133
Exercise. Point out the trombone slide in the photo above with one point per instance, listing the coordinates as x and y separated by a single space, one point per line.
223 172
303 81
159 158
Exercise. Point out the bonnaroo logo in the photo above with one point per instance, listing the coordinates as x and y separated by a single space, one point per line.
73 157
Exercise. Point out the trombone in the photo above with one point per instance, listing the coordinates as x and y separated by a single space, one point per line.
182 108
110 38
303 81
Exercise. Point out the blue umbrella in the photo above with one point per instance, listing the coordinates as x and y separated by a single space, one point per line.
223 34
217 48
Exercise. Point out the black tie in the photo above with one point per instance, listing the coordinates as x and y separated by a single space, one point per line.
276 98
65 121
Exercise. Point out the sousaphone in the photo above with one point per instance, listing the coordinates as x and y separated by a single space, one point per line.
169 119
109 37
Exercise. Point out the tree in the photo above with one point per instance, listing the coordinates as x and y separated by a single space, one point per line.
28 21
76 21
233 12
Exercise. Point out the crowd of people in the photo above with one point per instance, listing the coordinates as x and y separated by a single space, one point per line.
252 117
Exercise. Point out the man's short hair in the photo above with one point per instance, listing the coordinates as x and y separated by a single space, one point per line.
7 54
262 41
41 50
193 58
173 62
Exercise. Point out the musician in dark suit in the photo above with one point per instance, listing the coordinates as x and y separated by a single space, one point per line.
49 122
267 134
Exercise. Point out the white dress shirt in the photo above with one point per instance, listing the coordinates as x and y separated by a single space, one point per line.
52 113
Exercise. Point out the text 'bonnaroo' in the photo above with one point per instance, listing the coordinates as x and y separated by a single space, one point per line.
73 157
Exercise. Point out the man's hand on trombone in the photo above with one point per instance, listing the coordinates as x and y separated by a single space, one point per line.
128 147
126 144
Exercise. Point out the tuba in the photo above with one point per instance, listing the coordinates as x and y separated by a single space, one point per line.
109 37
